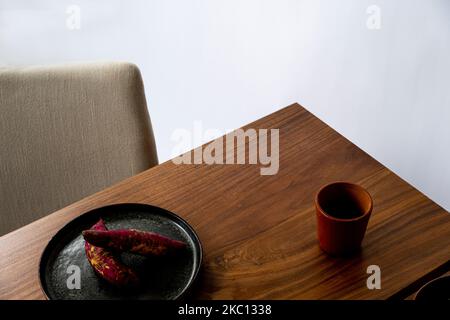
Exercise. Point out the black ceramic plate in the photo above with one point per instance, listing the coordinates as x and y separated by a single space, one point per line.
162 277
436 290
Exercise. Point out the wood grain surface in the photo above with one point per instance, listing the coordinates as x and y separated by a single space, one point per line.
259 232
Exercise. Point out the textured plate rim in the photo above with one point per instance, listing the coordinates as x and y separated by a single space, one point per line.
45 252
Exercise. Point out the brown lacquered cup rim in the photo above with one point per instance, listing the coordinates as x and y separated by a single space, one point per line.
353 185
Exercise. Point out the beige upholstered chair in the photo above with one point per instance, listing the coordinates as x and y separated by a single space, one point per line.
66 132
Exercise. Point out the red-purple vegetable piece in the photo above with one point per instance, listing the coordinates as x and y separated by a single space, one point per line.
107 265
135 241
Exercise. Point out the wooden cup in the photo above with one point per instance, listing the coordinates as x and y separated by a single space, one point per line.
343 210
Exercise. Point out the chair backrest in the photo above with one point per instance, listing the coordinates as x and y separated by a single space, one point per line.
66 132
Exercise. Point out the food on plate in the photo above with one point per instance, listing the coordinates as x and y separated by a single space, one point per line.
134 241
107 265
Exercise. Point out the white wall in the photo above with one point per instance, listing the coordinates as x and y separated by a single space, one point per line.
230 62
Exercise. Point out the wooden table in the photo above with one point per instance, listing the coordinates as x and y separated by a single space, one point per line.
258 232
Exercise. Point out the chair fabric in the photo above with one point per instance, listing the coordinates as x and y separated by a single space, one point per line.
67 132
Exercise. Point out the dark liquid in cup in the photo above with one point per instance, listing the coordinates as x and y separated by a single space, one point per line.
343 202
343 209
